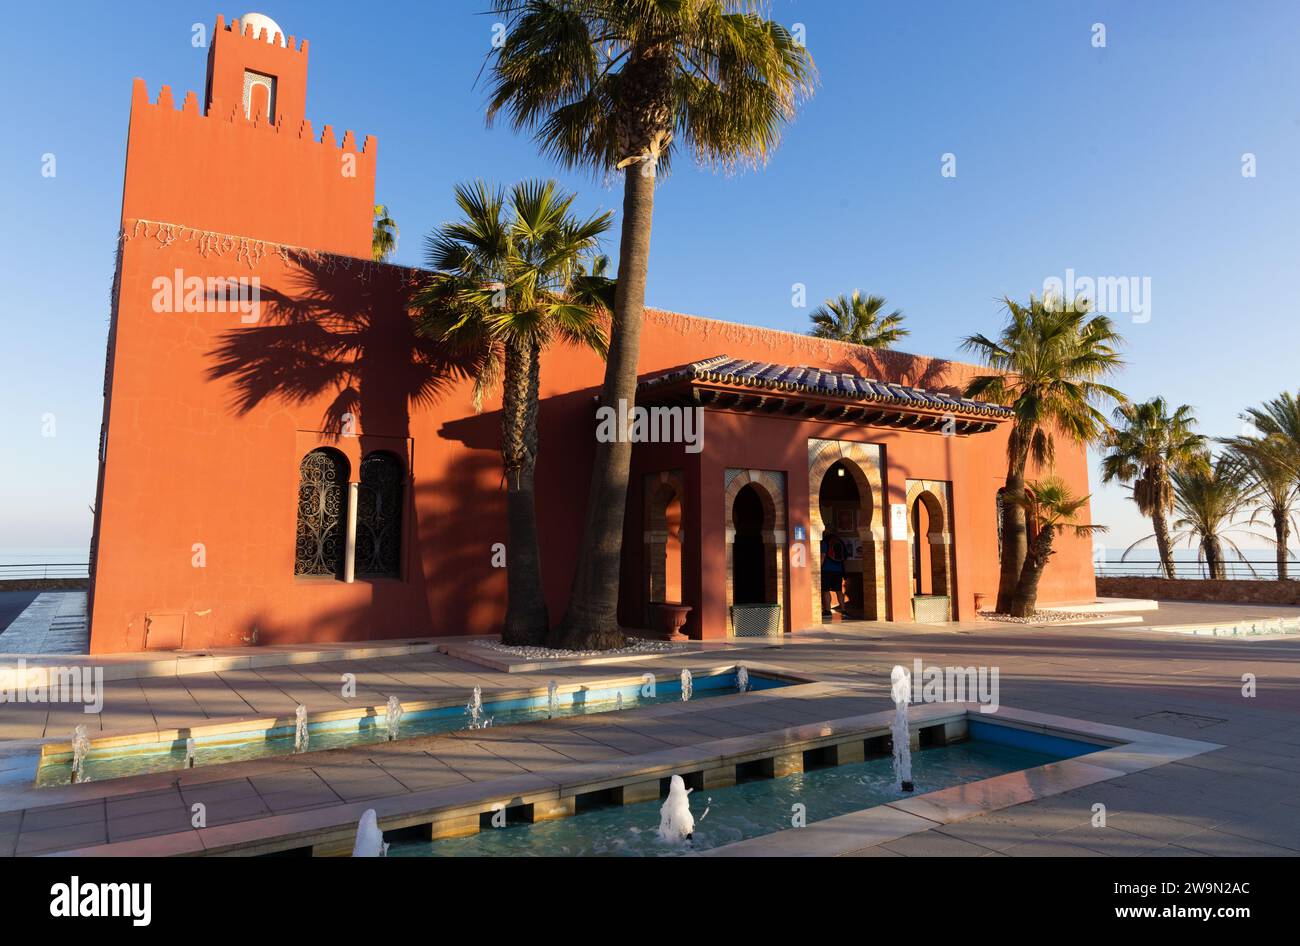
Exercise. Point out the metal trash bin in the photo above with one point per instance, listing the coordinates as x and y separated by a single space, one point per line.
756 620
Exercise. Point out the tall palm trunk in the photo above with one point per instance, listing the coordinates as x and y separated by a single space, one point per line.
1160 525
1281 536
526 616
1015 532
1213 557
1025 599
591 619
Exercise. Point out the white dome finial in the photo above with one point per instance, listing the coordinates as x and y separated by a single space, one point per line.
263 25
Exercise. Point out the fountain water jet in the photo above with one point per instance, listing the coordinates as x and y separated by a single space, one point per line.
474 710
300 734
676 823
370 840
900 687
688 686
551 688
80 747
393 718
742 678
189 753
618 701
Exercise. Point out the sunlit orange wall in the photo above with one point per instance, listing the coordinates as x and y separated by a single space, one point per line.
207 418
193 458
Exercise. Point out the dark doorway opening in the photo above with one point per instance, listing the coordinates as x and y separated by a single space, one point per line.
841 511
749 563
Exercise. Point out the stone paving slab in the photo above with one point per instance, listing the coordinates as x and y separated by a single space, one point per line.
825 838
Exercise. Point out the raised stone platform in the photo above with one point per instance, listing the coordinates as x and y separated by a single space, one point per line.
55 623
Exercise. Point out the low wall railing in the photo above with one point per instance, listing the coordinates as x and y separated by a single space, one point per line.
1235 571
32 571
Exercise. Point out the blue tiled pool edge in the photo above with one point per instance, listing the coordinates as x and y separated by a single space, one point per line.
369 724
1065 747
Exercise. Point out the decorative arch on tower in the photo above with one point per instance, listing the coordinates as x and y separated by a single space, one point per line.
259 96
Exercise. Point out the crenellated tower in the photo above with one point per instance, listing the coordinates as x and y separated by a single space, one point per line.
249 163
218 191
250 63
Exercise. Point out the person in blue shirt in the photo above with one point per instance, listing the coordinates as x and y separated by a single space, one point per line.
834 552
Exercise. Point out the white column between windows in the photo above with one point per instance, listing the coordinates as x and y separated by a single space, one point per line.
350 549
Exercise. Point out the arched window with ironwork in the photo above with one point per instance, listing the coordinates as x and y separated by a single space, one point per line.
322 514
379 517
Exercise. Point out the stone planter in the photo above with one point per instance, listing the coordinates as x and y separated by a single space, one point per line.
669 616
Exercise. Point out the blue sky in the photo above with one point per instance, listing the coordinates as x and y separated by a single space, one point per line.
1116 161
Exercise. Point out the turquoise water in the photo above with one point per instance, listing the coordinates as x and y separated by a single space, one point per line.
748 810
118 762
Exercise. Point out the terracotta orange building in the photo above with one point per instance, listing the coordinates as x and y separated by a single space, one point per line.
284 459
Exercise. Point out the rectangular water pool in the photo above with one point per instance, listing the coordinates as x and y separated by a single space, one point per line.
761 806
125 760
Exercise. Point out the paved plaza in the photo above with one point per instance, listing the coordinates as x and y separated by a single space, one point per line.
1240 799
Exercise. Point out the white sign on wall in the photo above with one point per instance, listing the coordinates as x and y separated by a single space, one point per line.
898 522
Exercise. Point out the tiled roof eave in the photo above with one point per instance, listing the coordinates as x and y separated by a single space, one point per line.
725 384
825 386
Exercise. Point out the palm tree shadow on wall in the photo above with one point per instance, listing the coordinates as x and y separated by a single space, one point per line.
885 363
346 334
344 331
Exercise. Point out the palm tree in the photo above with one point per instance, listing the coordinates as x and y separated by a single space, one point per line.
510 278
1208 497
857 320
1049 360
1147 446
383 237
1278 449
1053 507
1280 417
1269 462
614 86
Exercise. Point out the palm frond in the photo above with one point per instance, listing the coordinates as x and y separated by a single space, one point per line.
384 234
858 319
601 82
516 272
1050 361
